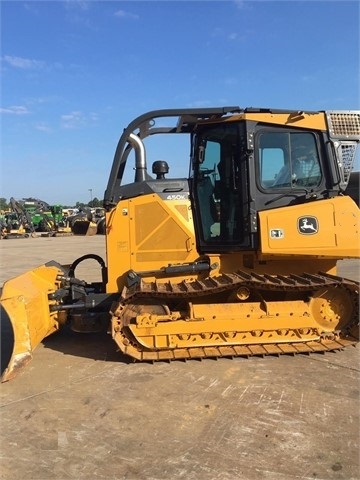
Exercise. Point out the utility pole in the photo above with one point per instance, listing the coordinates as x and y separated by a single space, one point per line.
90 190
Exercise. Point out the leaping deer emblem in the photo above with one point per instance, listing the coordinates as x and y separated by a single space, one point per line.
308 225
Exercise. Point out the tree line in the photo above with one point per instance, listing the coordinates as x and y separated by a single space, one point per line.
94 203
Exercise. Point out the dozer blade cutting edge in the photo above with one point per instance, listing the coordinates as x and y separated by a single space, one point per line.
25 316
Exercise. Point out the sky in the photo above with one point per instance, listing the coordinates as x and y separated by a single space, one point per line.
75 73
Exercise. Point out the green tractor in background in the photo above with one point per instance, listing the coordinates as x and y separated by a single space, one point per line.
46 219
54 222
34 216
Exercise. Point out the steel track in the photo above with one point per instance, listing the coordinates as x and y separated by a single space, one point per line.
188 290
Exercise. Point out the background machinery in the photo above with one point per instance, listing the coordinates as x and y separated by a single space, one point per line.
36 209
83 223
39 216
16 223
237 259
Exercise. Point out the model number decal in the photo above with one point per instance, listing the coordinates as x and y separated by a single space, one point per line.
176 197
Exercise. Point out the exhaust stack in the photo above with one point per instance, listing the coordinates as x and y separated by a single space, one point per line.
140 157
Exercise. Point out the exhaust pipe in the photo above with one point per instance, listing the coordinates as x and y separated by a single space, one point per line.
140 157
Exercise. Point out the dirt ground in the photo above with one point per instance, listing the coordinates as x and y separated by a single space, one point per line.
81 411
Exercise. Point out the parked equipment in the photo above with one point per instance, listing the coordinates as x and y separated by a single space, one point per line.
239 259
16 223
35 210
83 223
60 225
46 219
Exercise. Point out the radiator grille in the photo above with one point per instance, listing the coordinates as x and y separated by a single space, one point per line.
347 157
344 125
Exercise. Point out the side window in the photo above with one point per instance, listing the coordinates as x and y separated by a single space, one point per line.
208 177
219 186
288 160
272 160
211 158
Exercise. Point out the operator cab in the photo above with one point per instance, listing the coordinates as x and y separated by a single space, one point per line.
243 161
243 167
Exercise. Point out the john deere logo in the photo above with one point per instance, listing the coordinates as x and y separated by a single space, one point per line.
308 225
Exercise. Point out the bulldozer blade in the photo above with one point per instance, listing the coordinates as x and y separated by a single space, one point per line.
84 227
26 318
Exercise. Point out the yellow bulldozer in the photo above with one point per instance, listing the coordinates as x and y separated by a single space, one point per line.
238 258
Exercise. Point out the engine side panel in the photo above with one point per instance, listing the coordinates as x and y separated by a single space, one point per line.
326 228
148 233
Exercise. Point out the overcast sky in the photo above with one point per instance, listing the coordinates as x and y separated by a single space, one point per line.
75 73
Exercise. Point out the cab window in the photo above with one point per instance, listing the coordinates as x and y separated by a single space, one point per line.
288 160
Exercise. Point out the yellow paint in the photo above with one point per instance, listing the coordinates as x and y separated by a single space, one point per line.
338 233
146 233
25 300
310 121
